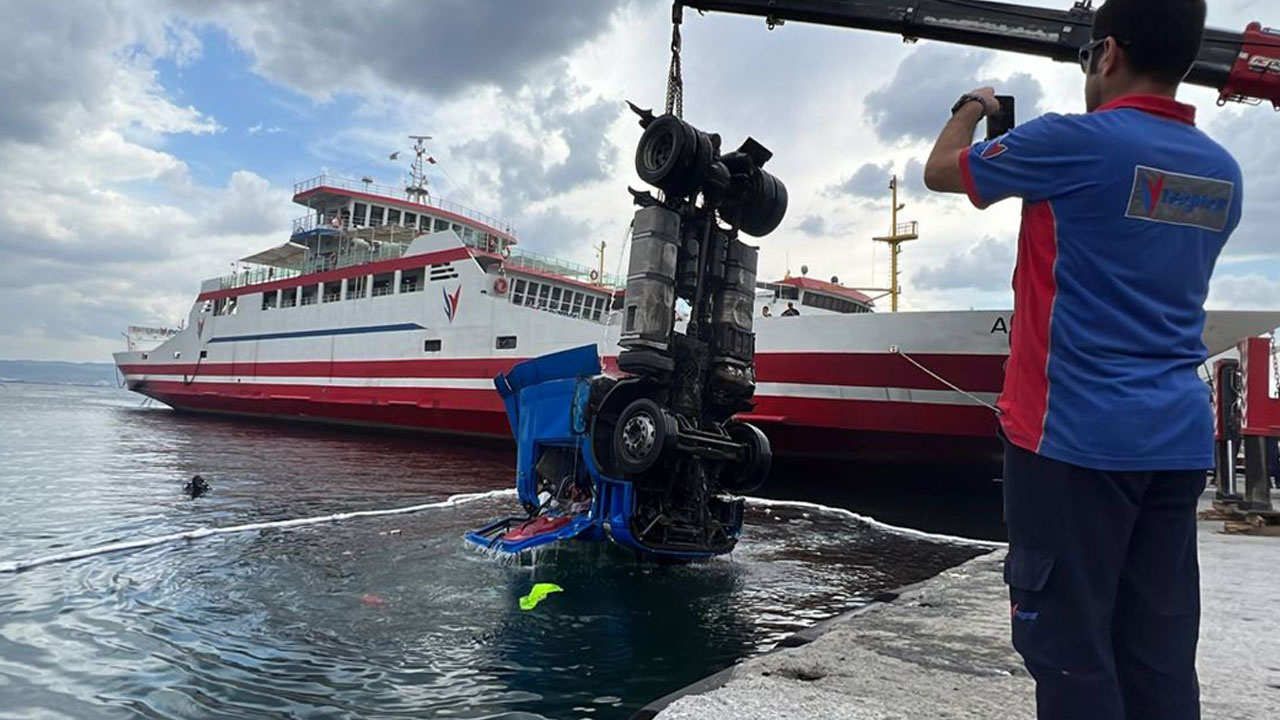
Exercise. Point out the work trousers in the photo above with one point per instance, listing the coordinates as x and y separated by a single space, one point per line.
1104 588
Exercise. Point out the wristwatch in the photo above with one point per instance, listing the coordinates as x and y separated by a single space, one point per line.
965 99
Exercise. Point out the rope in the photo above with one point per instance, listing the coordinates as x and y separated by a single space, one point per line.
945 381
15 566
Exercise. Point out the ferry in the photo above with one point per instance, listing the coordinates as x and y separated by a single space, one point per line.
392 308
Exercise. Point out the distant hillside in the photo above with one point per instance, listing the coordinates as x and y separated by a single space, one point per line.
57 373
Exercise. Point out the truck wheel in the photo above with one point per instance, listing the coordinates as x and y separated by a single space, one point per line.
673 155
748 474
643 430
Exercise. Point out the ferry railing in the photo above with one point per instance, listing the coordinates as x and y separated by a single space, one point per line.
556 266
344 183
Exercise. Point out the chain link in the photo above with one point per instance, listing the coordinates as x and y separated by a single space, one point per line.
675 83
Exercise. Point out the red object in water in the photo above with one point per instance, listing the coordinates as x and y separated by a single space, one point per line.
537 526
371 600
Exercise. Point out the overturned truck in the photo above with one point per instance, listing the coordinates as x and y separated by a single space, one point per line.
653 460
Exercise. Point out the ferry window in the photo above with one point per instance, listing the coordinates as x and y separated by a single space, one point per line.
333 291
232 303
383 284
375 215
432 345
577 304
310 293
218 306
517 292
555 300
544 291
424 223
598 309
441 225
506 342
270 299
469 236
532 298
204 354
411 280
411 220
357 287
457 229
362 209
393 216
208 305
289 297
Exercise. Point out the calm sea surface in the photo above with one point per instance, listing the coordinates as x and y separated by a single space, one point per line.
371 618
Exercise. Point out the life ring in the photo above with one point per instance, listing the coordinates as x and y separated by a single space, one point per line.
506 252
595 275
500 285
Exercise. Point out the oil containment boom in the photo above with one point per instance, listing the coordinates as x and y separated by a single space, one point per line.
1242 67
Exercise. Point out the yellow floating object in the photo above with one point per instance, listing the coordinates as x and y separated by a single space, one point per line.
535 596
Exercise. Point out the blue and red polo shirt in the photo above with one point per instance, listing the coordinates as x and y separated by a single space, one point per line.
1125 211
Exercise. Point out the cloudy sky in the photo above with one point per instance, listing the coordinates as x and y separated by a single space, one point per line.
145 144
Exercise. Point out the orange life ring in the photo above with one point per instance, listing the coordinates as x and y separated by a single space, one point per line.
500 285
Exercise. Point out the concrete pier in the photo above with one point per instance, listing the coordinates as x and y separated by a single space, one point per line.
941 650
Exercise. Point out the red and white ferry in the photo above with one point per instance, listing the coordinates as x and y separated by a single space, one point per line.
393 308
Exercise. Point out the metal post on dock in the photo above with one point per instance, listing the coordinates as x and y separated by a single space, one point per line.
1259 425
1226 376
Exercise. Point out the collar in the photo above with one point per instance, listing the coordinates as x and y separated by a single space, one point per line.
1158 105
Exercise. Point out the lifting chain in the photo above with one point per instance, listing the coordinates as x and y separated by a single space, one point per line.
675 83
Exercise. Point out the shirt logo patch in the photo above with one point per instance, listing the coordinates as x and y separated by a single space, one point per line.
1177 199
995 150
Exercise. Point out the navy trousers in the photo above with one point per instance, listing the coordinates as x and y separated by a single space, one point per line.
1104 588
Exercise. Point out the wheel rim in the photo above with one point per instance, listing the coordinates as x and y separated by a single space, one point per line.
639 434
658 151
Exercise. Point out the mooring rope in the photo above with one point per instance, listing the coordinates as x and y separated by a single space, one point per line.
14 566
945 381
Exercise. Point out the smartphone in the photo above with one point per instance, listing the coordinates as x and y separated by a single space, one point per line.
1005 121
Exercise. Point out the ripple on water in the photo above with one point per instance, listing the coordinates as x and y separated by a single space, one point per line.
352 619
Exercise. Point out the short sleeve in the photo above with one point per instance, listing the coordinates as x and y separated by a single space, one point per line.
1044 158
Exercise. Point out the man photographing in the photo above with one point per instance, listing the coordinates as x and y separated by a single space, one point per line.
1108 428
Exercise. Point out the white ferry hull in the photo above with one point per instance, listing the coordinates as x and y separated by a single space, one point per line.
831 386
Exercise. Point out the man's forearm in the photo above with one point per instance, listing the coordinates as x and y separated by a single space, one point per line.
942 172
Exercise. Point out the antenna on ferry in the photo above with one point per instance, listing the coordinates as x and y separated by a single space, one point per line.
417 187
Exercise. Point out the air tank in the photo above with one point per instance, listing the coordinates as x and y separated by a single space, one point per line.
648 308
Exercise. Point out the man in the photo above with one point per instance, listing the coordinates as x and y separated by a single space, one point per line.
791 310
1108 430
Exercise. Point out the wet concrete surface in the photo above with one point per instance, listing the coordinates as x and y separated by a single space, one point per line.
941 650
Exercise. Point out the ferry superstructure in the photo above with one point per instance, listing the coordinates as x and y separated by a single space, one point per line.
393 308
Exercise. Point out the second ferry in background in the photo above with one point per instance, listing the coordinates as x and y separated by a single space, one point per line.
394 308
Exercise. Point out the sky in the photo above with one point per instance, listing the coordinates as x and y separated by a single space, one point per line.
145 145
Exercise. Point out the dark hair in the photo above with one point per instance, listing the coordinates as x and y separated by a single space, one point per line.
1161 38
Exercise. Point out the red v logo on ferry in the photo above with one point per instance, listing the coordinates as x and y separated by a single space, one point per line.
451 302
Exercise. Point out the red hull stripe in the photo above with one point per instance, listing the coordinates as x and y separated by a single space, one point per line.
1024 404
382 266
482 412
975 373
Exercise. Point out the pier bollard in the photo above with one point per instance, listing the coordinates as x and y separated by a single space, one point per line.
1226 401
1257 476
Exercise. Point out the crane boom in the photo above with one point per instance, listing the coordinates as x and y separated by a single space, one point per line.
1242 67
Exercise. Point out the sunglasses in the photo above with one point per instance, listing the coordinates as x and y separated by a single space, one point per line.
1089 53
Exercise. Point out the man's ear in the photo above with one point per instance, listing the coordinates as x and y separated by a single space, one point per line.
1109 64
